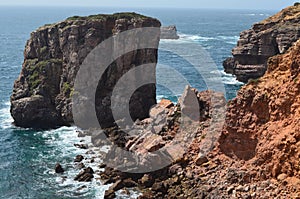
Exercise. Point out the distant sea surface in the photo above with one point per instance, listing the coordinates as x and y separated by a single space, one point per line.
27 157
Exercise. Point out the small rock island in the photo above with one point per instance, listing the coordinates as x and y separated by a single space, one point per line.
42 94
169 32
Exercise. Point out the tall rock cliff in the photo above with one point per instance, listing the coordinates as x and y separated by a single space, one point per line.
267 38
42 94
263 132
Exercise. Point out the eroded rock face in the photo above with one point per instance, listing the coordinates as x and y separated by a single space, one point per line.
265 39
262 131
42 94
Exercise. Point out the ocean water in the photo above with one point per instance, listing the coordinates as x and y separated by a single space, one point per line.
28 157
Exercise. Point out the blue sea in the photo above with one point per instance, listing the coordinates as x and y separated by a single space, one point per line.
28 157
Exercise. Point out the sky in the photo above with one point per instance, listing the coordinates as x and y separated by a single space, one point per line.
219 4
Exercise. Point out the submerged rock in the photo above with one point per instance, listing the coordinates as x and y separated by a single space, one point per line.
58 168
270 37
42 94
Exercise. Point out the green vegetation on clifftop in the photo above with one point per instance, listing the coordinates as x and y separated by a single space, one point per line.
125 15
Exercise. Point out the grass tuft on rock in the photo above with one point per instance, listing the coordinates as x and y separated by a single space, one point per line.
67 89
36 70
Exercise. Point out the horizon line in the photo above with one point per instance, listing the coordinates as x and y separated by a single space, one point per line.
130 7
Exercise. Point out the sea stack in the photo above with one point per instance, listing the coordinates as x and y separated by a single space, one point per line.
42 94
270 37
169 32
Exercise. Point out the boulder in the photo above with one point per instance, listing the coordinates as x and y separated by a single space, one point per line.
109 194
85 175
78 158
58 168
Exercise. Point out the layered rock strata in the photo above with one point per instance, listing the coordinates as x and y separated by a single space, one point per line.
42 94
270 37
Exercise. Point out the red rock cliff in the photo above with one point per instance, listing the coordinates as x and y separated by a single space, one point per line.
263 129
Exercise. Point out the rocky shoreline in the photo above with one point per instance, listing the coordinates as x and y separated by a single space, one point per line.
165 118
272 36
245 148
256 155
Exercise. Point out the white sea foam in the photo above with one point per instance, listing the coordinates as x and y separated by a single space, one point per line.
231 81
5 117
217 72
133 194
256 14
226 78
159 97
225 74
64 139
221 73
188 38
228 39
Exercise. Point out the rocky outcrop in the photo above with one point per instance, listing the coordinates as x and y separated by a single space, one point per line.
169 32
257 154
265 39
162 130
42 94
86 175
262 122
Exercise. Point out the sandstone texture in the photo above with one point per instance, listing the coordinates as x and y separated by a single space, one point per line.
270 37
42 94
